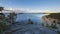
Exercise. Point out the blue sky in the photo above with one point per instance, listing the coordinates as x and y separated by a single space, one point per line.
32 4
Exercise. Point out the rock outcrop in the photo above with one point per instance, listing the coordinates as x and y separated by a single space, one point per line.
52 19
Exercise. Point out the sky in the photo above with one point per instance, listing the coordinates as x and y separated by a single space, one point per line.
32 5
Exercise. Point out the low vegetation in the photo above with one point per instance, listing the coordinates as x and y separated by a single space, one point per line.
54 15
12 17
42 24
29 21
53 26
3 22
1 8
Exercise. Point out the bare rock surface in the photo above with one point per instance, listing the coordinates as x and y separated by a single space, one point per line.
30 29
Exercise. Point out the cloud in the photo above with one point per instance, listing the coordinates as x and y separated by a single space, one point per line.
33 11
56 10
28 10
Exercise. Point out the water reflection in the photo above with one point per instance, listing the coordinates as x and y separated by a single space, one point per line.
34 17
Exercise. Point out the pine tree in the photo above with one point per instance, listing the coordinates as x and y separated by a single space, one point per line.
12 17
3 22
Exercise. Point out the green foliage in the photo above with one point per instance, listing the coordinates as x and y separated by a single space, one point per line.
2 16
42 24
1 30
53 26
3 23
12 17
29 21
4 26
1 8
55 15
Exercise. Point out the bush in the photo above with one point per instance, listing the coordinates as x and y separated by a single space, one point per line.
1 8
4 26
1 30
53 26
42 24
30 22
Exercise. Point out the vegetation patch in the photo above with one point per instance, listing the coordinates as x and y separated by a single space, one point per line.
42 24
30 22
53 26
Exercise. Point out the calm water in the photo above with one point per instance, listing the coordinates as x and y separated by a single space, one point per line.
37 18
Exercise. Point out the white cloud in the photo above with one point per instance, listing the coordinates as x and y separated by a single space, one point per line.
56 10
28 10
19 10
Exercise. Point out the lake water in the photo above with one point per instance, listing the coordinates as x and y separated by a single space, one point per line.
36 18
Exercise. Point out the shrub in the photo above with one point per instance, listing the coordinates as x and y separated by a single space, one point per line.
1 30
4 26
53 26
29 21
42 24
1 8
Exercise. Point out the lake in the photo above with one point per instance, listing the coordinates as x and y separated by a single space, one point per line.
37 18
